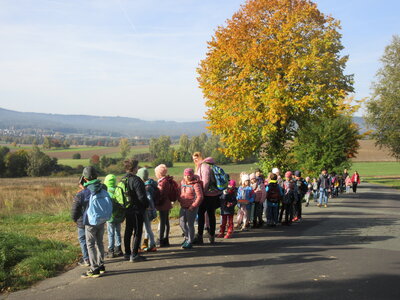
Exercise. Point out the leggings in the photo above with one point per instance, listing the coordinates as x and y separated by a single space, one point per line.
208 205
164 224
134 224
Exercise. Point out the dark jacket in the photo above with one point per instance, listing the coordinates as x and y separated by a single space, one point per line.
81 202
137 194
323 181
228 201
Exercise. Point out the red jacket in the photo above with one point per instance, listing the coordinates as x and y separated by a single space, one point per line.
354 179
191 193
164 203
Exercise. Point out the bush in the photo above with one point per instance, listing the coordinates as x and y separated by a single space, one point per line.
167 162
76 156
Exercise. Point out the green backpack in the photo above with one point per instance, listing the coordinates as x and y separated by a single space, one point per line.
118 212
121 194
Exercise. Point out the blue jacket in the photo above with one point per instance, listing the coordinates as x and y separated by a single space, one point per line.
246 193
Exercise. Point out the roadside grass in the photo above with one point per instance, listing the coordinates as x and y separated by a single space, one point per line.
393 182
373 169
28 255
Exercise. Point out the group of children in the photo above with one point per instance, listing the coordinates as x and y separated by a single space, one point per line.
278 199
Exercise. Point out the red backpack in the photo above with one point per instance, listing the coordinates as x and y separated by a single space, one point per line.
172 189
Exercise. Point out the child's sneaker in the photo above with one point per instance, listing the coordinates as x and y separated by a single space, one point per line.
187 245
102 269
84 262
152 248
91 274
221 235
228 236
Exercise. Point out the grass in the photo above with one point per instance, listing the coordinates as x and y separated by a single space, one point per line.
74 162
393 182
373 169
27 255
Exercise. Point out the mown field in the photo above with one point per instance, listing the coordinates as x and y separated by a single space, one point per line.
38 239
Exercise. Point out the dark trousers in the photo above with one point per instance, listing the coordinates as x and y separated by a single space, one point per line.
287 208
258 211
298 207
355 187
208 205
134 224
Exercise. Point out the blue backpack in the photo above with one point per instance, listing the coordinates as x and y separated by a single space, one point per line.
219 179
100 208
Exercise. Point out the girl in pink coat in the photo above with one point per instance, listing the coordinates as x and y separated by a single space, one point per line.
190 200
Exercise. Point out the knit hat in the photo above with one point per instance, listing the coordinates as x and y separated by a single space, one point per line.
161 171
297 173
288 174
275 171
232 183
245 177
252 176
143 173
188 171
89 173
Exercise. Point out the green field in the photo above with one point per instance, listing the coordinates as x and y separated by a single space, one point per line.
74 162
374 169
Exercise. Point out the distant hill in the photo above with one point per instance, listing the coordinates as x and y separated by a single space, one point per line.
104 126
96 125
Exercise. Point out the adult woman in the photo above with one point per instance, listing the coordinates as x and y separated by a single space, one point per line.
211 197
355 179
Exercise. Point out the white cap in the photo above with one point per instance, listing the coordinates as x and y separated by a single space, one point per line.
275 171
245 177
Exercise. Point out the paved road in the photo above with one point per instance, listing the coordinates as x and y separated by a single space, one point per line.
350 250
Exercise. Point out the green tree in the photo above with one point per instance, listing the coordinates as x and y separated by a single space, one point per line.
195 145
326 143
16 163
47 143
124 147
274 65
183 154
383 110
3 153
161 150
39 164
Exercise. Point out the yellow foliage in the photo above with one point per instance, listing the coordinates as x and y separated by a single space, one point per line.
274 64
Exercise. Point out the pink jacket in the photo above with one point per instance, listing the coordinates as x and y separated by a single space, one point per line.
204 172
164 203
191 193
261 193
348 181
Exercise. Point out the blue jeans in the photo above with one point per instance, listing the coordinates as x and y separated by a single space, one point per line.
272 214
82 243
114 235
323 196
147 228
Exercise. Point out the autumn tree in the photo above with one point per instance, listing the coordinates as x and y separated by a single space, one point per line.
274 65
39 164
384 106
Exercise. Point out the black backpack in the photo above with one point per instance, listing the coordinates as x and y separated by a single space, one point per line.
273 194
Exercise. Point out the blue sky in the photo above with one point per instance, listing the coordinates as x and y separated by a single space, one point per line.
139 58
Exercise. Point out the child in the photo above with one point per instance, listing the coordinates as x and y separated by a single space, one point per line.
260 194
315 189
166 184
228 202
309 191
348 184
190 199
245 197
274 196
114 224
288 197
150 213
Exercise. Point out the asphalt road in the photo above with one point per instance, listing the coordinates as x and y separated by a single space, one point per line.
350 250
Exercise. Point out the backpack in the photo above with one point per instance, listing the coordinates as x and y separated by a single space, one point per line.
152 188
273 194
100 208
219 179
121 193
289 187
172 190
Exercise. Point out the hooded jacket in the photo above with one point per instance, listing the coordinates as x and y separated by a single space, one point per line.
81 202
191 193
204 172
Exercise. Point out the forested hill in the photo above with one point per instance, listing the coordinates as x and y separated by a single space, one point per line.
103 126
96 125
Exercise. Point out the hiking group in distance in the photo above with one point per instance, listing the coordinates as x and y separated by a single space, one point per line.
137 198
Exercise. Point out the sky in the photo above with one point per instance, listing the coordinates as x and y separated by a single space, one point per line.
138 58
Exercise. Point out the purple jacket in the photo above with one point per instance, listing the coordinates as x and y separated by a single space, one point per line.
204 172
